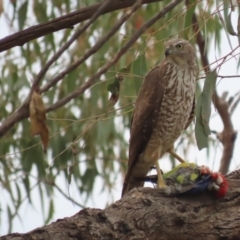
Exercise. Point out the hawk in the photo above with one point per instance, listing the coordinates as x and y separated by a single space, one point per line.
163 109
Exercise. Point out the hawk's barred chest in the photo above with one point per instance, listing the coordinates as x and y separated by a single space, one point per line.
177 103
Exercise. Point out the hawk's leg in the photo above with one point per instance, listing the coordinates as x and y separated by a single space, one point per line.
151 155
171 151
161 183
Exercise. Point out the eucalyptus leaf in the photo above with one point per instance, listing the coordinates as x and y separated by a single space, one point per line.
22 14
139 70
203 110
229 25
207 93
50 212
201 137
188 17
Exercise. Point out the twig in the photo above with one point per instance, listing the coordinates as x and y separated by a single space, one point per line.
127 45
63 22
228 135
221 76
228 76
53 184
66 196
43 71
92 50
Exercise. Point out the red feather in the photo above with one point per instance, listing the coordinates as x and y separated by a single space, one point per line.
223 186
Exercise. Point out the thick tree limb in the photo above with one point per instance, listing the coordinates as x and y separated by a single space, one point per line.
63 22
146 213
228 135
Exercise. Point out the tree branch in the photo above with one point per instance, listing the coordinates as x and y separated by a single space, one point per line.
63 22
146 213
228 135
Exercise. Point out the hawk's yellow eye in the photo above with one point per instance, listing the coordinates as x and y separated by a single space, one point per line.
179 46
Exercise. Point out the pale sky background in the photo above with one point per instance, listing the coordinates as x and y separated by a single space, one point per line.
32 216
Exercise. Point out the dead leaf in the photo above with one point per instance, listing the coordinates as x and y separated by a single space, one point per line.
114 89
38 119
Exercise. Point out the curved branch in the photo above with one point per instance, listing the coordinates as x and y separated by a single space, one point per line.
146 213
63 22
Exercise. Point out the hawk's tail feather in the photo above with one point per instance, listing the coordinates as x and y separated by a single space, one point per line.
131 183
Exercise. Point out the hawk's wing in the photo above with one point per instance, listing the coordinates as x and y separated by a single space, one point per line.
192 114
146 109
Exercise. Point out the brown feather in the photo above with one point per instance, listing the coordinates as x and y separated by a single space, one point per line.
147 106
192 115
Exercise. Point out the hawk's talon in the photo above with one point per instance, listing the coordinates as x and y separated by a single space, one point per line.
160 182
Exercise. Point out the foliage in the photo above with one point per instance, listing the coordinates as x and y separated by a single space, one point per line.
203 111
86 137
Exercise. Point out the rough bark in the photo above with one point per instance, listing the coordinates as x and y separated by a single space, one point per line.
146 213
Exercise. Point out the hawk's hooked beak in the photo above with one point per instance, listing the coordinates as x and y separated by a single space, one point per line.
167 52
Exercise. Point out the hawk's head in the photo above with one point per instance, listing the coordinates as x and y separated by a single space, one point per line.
180 52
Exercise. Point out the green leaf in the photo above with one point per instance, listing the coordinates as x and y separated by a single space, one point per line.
188 18
229 25
88 178
19 196
114 86
125 70
208 90
139 70
114 89
50 212
26 184
203 111
22 15
41 195
50 40
202 139
225 8
40 10
70 173
10 218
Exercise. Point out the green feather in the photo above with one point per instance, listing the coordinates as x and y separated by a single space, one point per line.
183 174
180 179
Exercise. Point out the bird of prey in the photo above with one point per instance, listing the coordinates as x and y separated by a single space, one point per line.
163 109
